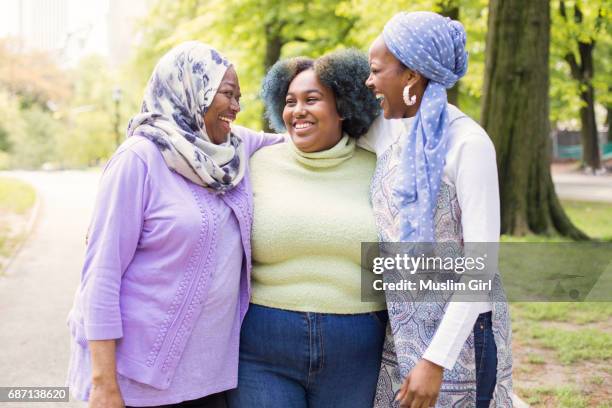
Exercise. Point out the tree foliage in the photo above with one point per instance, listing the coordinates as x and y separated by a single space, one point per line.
253 34
52 115
31 84
12 126
566 36
246 31
90 117
33 76
580 27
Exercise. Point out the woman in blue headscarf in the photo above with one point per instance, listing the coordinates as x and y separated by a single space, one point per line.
436 181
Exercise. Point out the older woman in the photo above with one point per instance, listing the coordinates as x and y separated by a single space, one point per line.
165 283
308 340
440 167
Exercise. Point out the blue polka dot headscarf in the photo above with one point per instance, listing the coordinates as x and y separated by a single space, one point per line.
433 46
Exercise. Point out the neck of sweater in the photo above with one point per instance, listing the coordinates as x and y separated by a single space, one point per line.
342 151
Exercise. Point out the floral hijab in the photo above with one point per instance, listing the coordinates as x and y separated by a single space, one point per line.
180 91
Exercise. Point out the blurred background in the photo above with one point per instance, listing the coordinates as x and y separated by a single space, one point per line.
72 73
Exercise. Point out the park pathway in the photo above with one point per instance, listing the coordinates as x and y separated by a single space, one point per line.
582 187
37 290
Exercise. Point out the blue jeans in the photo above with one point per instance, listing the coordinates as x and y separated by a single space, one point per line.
486 360
315 360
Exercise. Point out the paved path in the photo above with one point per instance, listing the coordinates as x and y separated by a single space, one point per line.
582 187
37 291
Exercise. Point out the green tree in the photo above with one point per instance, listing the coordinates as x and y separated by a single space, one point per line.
155 29
36 145
32 86
609 118
253 34
472 13
579 28
12 126
33 76
515 113
602 80
90 116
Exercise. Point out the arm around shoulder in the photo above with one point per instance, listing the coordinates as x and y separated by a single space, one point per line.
255 140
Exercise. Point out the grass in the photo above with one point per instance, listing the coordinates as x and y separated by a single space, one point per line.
571 312
16 199
585 344
578 340
15 196
535 359
572 338
595 219
564 397
539 267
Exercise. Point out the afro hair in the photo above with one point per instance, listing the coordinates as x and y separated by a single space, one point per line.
344 72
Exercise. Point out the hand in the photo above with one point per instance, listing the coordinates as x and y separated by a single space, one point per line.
105 392
421 386
105 395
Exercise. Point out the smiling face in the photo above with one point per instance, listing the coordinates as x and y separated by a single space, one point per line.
387 80
310 114
224 108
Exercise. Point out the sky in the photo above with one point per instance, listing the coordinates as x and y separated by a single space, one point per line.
91 12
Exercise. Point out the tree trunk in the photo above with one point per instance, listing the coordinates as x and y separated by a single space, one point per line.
450 8
590 142
515 113
583 72
274 46
609 119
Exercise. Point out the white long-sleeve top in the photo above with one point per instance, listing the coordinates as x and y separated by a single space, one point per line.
471 168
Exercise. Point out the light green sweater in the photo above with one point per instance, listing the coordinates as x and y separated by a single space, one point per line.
310 217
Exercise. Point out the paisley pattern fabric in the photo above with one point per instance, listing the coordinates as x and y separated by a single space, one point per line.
179 93
412 325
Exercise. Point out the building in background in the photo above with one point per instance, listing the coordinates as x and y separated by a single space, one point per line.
42 24
122 20
39 25
71 29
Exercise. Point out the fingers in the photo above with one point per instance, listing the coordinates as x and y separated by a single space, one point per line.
414 399
403 389
433 401
408 399
425 403
419 402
